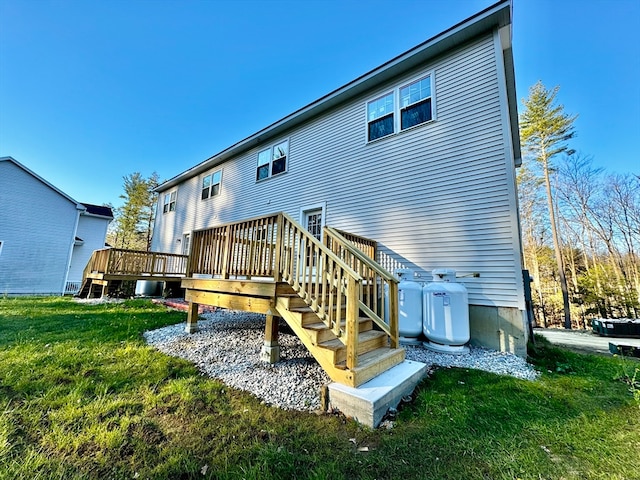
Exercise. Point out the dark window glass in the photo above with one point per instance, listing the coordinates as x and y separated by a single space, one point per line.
215 189
205 193
262 172
381 127
415 114
279 165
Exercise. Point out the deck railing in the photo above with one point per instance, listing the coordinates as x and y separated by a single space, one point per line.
278 247
118 261
379 288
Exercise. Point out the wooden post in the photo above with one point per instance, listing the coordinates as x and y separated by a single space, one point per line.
226 255
271 349
352 323
393 314
277 267
192 318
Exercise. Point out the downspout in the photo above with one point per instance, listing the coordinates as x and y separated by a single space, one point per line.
80 209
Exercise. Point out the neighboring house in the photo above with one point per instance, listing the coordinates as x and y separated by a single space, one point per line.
46 237
418 154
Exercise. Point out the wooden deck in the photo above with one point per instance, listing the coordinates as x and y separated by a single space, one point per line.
331 293
109 267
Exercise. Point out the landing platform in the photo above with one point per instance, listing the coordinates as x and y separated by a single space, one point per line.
369 403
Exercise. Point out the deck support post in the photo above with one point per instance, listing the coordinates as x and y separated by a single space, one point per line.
192 318
271 349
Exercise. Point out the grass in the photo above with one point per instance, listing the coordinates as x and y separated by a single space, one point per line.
82 396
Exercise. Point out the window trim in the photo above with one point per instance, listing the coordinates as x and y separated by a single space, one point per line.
272 160
394 96
1 243
166 206
397 110
211 185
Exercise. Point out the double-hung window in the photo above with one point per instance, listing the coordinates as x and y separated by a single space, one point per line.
169 204
272 160
380 117
415 103
400 109
211 185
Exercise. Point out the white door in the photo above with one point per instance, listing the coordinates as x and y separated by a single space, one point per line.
313 222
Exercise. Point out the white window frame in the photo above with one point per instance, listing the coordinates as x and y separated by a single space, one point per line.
1 243
166 205
397 108
270 152
393 112
211 185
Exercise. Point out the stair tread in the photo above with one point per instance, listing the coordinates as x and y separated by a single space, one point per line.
323 326
336 344
374 356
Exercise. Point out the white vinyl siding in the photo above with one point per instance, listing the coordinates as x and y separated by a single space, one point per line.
441 195
38 227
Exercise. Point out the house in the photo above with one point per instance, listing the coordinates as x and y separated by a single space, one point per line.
46 237
419 154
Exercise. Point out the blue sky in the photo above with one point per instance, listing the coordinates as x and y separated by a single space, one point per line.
91 91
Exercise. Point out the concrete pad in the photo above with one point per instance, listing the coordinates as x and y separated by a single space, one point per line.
369 403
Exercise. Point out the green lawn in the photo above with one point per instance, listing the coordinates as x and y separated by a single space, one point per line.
82 396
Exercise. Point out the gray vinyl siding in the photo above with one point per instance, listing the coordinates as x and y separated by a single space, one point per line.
438 195
37 226
93 231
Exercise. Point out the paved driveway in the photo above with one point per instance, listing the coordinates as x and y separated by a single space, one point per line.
582 340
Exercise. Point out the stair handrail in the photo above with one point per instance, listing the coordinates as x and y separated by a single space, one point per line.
322 279
373 309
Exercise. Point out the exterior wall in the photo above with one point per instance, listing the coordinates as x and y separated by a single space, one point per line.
37 227
93 230
439 195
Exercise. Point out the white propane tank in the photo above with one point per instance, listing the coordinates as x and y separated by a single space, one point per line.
409 307
446 313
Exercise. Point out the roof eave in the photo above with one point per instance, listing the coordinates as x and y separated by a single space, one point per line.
495 16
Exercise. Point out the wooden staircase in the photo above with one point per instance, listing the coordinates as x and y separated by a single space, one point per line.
330 293
374 354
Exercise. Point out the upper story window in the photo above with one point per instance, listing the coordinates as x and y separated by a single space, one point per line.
415 103
272 160
403 108
211 185
169 203
380 112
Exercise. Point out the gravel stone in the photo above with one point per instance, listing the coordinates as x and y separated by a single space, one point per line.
228 343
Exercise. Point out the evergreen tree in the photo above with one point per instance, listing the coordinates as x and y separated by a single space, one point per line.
134 219
544 130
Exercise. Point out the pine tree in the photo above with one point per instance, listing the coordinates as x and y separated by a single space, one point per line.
544 130
134 219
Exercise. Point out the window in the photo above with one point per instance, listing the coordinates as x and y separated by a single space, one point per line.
380 117
0 246
169 204
414 107
272 160
415 103
211 185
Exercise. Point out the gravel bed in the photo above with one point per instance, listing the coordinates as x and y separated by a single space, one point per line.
228 344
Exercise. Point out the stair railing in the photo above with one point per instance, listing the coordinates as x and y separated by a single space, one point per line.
278 247
379 288
327 284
